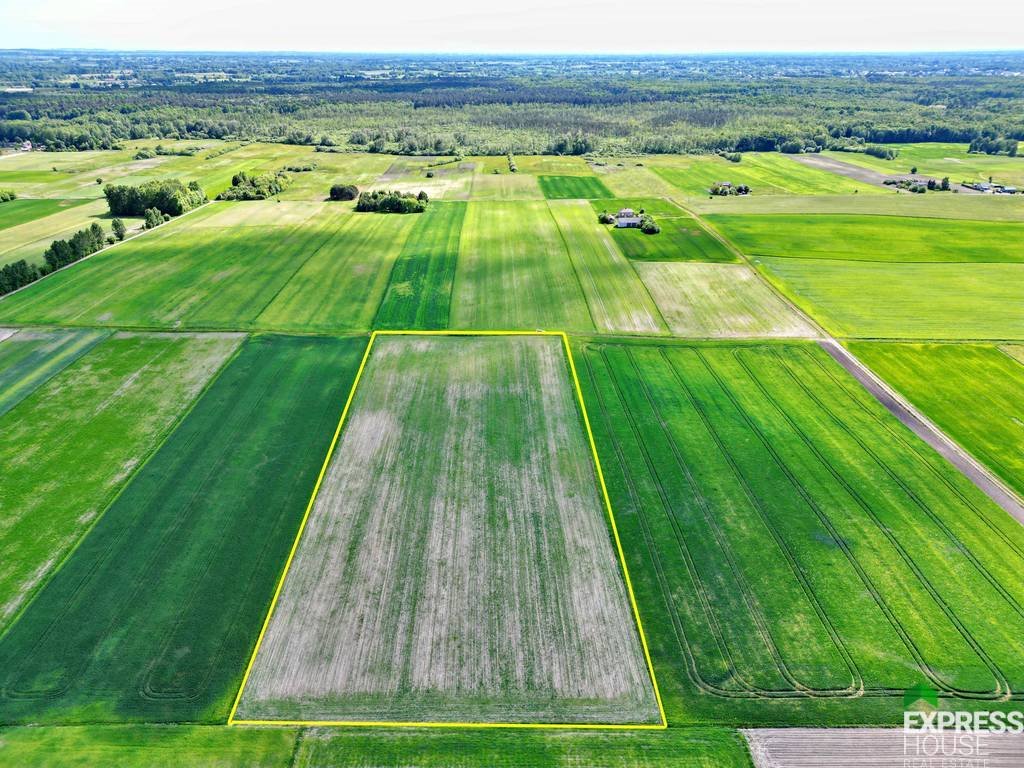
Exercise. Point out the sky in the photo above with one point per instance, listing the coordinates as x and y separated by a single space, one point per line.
522 26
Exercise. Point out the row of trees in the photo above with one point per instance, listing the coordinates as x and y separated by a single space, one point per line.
169 196
391 201
60 253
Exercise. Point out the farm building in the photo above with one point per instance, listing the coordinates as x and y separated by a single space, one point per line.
627 218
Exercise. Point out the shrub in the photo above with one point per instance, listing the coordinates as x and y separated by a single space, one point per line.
648 225
344 192
606 218
153 218
118 228
6 195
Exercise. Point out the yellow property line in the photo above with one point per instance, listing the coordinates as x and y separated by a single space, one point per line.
232 720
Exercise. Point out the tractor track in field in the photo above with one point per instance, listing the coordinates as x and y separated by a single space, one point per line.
923 427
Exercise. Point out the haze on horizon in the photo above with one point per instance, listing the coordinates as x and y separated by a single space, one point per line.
528 26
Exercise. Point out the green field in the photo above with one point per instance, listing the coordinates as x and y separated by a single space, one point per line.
685 748
617 298
906 301
572 187
69 446
154 616
420 289
873 238
29 358
766 173
940 159
463 465
29 239
798 555
681 238
514 271
928 206
147 746
15 212
974 393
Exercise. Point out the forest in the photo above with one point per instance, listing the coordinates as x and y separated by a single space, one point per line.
526 105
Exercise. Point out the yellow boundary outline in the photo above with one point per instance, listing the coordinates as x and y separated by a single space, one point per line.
663 724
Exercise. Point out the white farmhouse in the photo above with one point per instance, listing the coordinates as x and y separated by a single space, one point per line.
627 218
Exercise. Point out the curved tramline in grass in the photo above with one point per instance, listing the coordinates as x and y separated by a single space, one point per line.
793 544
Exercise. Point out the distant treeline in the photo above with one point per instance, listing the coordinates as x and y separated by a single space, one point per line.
525 106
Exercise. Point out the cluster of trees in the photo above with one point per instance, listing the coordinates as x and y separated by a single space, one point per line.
60 253
732 157
6 195
161 150
648 225
169 196
990 145
344 192
885 153
512 167
391 201
301 167
575 143
245 186
724 190
154 218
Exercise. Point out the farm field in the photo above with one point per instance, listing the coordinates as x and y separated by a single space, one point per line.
800 556
681 238
927 206
974 392
629 177
153 616
29 239
420 289
517 610
30 357
905 301
719 301
572 187
92 425
942 159
508 281
766 173
617 298
22 211
873 238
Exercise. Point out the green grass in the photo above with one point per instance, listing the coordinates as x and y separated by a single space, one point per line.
339 284
798 555
15 212
719 301
155 614
420 289
68 447
572 187
618 300
677 748
873 238
974 393
29 358
971 207
766 173
224 267
514 271
681 238
29 239
940 159
146 746
463 466
906 301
